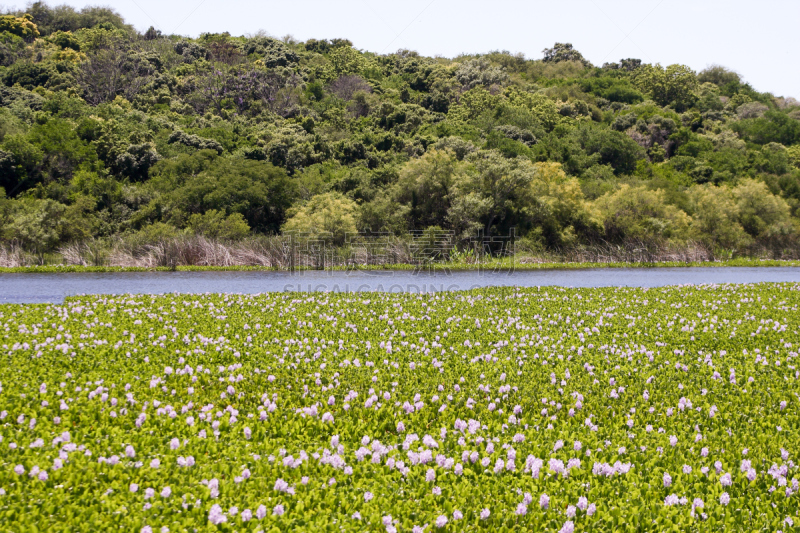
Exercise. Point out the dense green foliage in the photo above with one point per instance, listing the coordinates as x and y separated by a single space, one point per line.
106 132
502 409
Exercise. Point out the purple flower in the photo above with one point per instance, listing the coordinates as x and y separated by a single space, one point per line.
278 510
441 521
724 498
544 501
430 475
485 513
569 527
216 516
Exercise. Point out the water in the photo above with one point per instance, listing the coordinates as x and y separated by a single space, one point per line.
52 288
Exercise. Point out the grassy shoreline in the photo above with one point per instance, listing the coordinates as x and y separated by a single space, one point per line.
438 267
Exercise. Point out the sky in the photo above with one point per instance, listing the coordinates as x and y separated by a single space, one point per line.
759 40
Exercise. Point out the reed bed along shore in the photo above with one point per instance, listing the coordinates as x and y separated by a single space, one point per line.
282 253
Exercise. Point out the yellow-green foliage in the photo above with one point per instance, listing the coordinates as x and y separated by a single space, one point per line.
641 213
330 217
20 26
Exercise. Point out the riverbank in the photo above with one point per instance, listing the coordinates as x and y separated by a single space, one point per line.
499 265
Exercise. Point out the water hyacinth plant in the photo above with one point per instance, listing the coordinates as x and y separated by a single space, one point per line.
498 409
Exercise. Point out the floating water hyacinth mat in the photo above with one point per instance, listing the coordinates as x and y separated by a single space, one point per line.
618 409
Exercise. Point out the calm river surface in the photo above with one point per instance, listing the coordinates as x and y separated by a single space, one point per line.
52 288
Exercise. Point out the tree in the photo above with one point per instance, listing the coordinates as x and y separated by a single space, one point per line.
641 213
671 86
610 148
20 26
480 71
66 18
277 90
426 186
716 217
215 224
260 192
37 225
718 75
328 217
543 108
501 184
558 208
271 52
563 52
28 75
345 60
345 87
111 72
624 65
761 213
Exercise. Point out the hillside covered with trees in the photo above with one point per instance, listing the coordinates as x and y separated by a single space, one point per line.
113 139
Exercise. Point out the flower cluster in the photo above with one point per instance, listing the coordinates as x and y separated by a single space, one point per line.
540 409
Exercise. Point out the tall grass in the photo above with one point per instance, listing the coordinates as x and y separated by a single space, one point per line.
286 253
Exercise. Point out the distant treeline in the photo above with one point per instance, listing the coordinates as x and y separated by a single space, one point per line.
111 135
